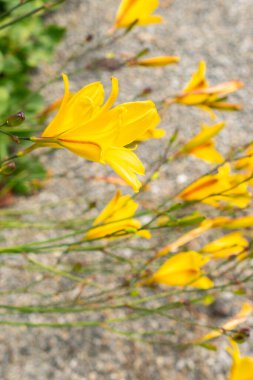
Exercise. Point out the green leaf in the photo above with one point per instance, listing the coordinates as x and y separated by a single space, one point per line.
55 33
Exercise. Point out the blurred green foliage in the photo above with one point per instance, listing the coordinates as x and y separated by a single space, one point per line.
26 41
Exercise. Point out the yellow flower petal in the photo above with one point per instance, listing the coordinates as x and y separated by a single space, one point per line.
113 95
56 125
198 79
145 234
136 119
138 11
230 244
116 229
157 61
103 129
205 135
183 269
120 207
117 219
152 133
88 150
208 153
126 164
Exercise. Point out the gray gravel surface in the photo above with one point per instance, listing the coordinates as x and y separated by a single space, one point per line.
219 31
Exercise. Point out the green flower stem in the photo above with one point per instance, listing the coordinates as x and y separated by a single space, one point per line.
55 271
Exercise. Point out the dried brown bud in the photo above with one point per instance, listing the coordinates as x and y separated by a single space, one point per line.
241 335
15 139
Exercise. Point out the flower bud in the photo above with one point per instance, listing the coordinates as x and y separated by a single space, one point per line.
241 335
15 120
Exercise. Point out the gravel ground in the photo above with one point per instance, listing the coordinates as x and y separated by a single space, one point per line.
219 31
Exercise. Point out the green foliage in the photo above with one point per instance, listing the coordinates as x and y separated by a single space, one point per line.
24 45
29 176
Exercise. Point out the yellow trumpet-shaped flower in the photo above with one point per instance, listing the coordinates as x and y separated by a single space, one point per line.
222 187
242 367
139 11
199 93
163 60
183 269
228 245
92 129
117 219
202 145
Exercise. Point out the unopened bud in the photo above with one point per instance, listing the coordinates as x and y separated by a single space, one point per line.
15 120
146 91
89 37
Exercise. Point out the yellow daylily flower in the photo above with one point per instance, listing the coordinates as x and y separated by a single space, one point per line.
202 145
239 318
199 93
228 245
163 60
139 11
242 367
94 130
221 187
117 219
183 269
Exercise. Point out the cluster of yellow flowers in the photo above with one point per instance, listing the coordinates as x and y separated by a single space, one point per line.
98 131
198 93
